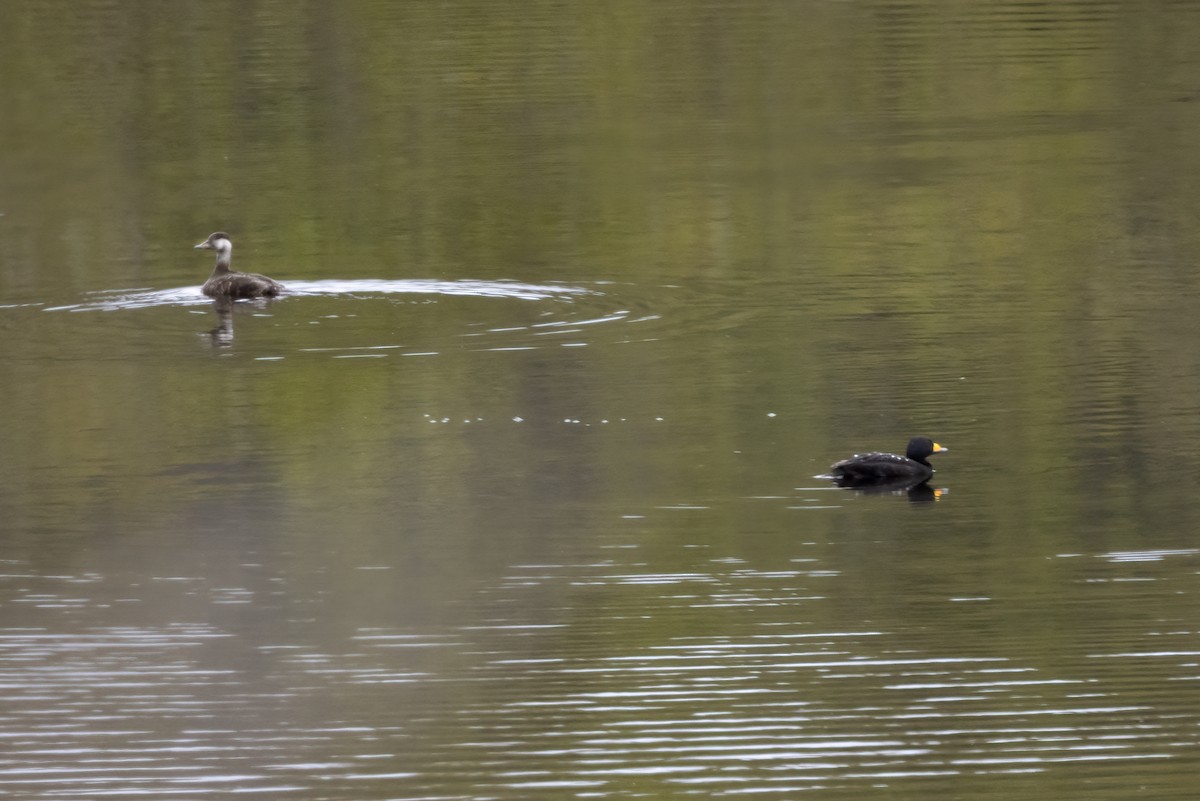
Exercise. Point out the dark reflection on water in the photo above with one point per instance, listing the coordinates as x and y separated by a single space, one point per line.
222 335
512 496
917 490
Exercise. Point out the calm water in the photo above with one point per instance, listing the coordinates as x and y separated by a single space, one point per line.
514 495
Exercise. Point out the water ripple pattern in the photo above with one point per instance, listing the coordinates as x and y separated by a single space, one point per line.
115 300
713 682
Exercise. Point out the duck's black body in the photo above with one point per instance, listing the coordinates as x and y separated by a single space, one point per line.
886 467
225 283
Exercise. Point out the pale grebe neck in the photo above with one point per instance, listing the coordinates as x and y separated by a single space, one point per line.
219 242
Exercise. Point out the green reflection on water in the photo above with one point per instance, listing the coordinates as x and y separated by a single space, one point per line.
869 220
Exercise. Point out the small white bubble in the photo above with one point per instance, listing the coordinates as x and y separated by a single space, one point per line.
770 414
658 419
518 419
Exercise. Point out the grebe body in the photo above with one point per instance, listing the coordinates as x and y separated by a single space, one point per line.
225 283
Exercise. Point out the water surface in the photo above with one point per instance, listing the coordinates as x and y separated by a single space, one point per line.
513 495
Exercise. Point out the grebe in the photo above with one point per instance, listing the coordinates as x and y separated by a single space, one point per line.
225 283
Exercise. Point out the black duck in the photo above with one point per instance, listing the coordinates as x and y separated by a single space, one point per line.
868 467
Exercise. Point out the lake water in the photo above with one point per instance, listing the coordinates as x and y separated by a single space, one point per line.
515 494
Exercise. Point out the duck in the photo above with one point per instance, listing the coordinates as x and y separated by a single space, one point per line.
225 283
883 467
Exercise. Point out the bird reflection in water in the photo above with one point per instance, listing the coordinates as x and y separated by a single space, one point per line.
917 489
222 335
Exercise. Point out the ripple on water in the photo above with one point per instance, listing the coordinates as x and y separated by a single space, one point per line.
570 316
723 679
116 300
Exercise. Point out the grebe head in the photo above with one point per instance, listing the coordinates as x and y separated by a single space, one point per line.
218 241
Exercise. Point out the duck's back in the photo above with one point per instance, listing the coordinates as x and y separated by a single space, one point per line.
880 466
241 285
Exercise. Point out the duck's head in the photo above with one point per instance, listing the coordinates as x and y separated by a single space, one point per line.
921 447
218 241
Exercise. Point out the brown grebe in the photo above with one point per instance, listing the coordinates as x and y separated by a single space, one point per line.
225 283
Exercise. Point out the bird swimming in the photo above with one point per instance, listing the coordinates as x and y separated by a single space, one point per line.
880 467
225 283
